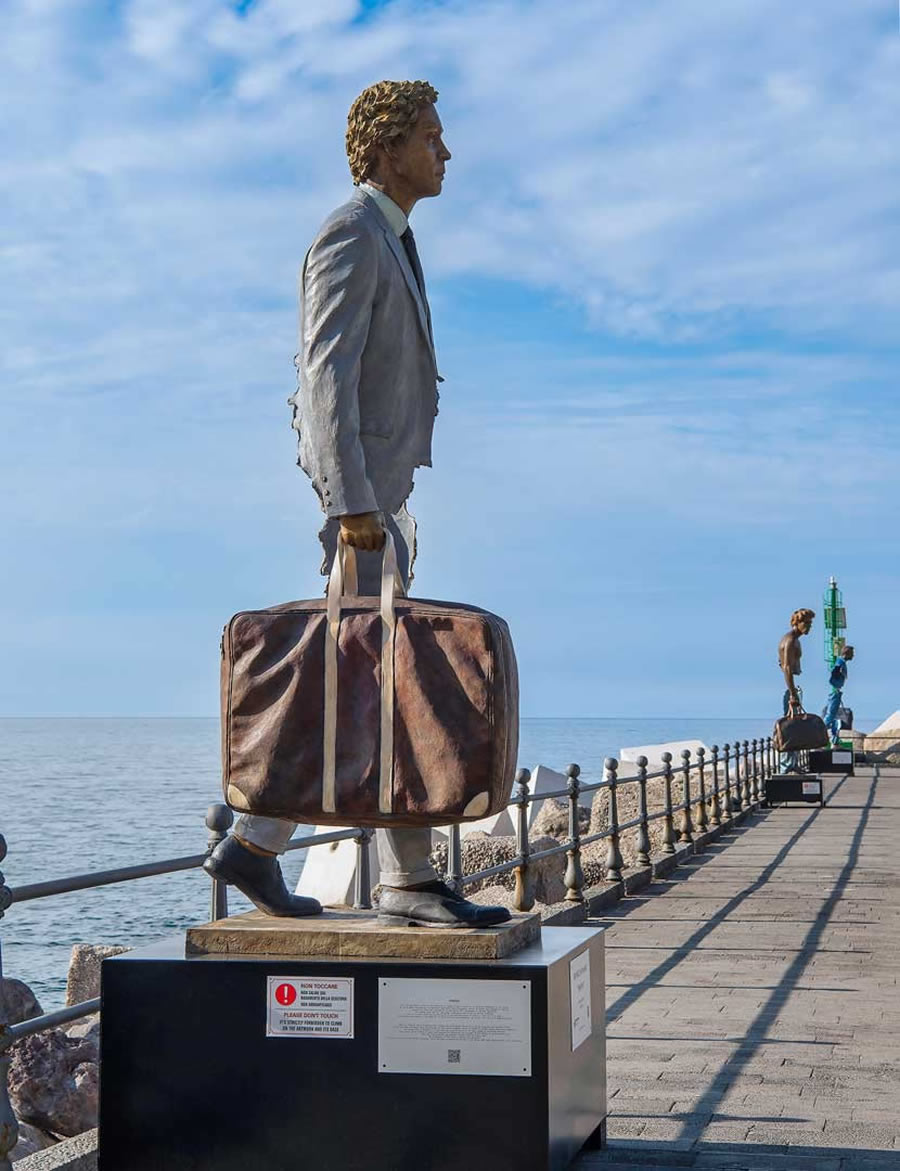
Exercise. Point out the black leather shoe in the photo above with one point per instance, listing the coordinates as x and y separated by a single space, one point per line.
434 905
259 878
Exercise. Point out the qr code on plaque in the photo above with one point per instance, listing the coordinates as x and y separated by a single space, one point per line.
453 1056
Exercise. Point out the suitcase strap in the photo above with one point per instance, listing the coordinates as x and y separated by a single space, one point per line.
342 583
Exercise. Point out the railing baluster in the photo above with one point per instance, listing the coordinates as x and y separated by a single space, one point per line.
614 861
755 771
737 798
668 842
748 798
362 879
454 858
716 806
9 1126
524 896
219 820
574 879
687 823
702 814
726 809
643 833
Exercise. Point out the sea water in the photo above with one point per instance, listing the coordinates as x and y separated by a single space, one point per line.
80 795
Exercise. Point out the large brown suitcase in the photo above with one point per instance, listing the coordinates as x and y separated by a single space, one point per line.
794 733
353 710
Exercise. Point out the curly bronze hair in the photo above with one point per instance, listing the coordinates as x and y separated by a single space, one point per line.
799 616
385 112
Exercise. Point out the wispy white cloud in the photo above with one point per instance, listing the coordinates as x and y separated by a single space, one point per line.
702 195
670 167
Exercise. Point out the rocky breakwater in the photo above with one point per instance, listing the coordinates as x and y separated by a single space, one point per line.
481 851
54 1076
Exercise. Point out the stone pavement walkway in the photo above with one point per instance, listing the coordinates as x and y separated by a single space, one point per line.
753 1012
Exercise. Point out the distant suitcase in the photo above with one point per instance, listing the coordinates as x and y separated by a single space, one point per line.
802 731
353 710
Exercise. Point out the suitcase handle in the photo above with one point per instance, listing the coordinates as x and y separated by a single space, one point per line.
342 582
344 566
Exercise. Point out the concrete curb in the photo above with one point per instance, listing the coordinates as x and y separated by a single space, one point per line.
598 898
73 1154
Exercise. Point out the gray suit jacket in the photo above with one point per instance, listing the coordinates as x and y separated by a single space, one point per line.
367 393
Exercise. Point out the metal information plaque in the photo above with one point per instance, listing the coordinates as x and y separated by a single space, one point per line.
309 1006
455 1027
580 998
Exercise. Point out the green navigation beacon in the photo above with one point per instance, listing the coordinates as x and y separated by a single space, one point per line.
835 623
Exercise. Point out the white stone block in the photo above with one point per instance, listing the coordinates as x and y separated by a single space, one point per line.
329 871
496 826
502 824
891 724
544 780
653 753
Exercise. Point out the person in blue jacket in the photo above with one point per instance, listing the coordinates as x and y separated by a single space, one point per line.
837 680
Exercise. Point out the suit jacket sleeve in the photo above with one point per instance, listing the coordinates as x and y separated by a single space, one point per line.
337 290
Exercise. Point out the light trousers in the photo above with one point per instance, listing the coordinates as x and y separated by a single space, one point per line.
788 762
833 713
403 854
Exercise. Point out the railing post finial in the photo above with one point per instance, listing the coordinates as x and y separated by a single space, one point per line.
668 842
687 822
702 814
614 862
726 792
643 830
524 896
574 877
219 820
716 804
362 877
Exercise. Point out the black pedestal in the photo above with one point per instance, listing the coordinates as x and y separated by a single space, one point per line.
193 1080
832 760
805 787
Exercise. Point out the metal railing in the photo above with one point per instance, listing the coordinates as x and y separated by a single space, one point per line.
730 782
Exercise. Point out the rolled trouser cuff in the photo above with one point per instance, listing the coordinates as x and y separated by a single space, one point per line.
403 879
268 833
403 857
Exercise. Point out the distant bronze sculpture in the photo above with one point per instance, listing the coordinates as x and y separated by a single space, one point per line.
790 653
365 411
837 681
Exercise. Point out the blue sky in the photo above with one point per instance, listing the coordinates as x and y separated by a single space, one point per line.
665 275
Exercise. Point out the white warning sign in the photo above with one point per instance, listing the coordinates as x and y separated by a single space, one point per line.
309 1006
812 788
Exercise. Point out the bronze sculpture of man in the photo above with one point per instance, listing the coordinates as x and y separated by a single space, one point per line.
789 655
365 411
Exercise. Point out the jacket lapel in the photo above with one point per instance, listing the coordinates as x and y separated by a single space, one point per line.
409 276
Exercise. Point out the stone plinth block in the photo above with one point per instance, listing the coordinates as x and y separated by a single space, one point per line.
348 934
359 1064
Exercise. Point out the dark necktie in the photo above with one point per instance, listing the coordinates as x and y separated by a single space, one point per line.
409 244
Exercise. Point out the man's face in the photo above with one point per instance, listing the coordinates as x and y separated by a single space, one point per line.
848 654
420 161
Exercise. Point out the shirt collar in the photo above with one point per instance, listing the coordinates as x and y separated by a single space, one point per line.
394 215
